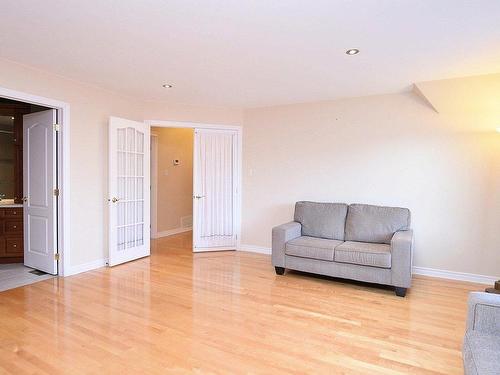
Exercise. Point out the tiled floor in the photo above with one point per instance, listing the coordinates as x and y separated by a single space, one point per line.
16 274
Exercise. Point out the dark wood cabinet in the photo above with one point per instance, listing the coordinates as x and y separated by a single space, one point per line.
17 111
11 235
11 179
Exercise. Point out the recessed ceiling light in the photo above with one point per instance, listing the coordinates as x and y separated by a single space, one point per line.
352 51
167 86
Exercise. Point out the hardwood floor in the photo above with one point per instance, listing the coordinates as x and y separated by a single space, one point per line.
227 312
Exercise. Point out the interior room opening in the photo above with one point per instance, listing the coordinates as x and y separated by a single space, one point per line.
172 185
21 127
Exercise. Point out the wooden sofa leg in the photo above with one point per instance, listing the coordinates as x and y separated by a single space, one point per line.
400 292
280 270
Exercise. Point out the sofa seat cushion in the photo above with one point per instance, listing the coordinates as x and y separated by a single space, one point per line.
364 254
312 247
481 353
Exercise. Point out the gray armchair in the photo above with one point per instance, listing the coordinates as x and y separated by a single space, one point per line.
481 349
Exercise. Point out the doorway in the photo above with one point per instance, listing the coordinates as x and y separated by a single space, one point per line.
28 183
171 181
216 198
213 198
172 187
33 231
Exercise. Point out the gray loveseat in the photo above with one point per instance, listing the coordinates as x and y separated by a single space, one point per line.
481 351
358 241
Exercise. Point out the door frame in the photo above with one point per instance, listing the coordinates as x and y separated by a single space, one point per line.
239 149
62 173
153 213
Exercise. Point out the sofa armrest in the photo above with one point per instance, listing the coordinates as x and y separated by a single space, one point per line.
402 258
281 235
483 312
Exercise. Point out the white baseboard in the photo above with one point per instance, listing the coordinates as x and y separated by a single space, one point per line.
453 275
86 267
255 249
171 232
432 272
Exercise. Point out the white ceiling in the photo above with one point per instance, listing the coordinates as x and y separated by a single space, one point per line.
253 53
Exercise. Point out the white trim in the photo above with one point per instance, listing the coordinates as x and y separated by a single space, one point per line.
154 185
64 216
255 249
192 125
239 173
239 187
424 271
219 248
453 275
171 232
74 270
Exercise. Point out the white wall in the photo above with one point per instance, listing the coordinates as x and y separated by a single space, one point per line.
388 150
90 110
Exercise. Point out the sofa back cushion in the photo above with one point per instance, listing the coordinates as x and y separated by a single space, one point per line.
323 220
376 224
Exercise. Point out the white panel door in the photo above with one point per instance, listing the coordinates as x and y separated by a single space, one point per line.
39 166
129 193
214 190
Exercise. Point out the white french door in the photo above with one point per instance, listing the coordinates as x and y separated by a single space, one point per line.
215 190
129 195
39 182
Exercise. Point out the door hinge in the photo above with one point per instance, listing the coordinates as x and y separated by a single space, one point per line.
56 256
57 127
56 192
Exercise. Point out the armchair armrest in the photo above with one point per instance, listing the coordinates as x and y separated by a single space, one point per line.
281 235
483 312
402 258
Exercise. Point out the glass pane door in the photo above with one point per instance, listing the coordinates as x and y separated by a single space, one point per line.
129 187
130 212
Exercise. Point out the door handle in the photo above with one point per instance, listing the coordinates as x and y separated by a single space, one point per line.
114 199
198 196
24 199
